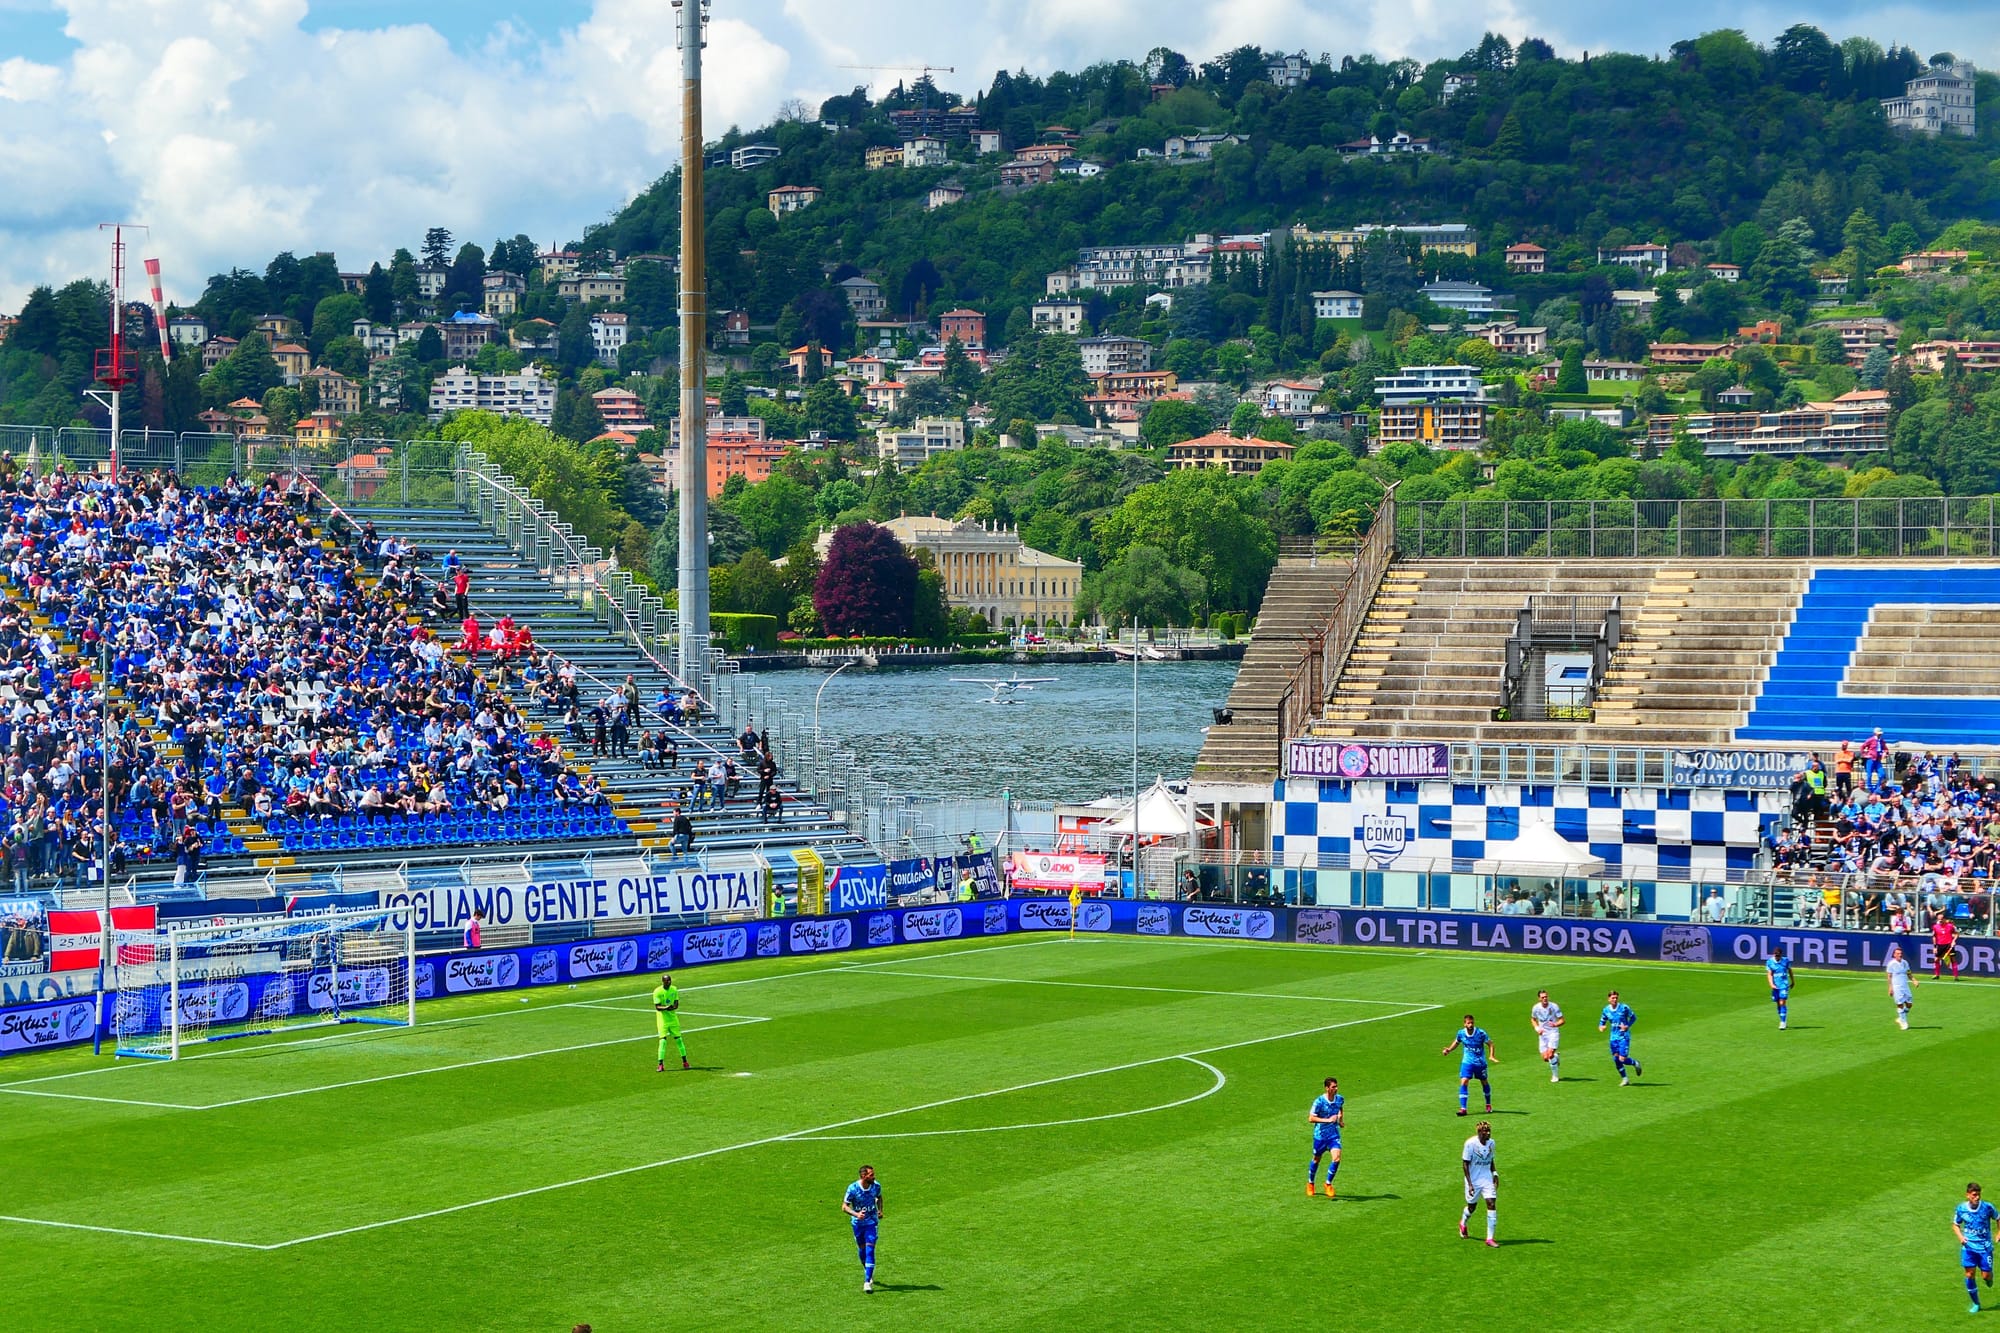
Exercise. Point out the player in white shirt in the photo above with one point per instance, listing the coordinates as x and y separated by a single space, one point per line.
1900 982
1481 1177
1547 1016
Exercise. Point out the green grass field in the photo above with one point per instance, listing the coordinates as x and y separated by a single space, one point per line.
1106 1134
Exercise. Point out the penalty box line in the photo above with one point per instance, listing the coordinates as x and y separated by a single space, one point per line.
735 1021
797 1135
841 965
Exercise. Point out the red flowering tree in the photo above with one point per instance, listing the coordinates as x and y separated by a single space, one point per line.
868 584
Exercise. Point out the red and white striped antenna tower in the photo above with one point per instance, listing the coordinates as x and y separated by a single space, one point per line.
112 372
159 310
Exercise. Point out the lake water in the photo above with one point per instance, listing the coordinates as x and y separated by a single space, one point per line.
922 733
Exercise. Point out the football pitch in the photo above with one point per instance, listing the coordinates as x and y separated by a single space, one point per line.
1101 1134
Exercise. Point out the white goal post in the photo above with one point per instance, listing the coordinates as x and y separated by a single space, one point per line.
181 985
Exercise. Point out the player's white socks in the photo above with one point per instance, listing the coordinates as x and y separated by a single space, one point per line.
1492 1221
1465 1217
1555 1068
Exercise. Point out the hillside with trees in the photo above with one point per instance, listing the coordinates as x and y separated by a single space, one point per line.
1766 175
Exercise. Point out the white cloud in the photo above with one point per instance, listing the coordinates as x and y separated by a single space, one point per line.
25 81
238 128
234 132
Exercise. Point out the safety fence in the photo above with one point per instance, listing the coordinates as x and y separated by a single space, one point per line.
1769 897
1829 528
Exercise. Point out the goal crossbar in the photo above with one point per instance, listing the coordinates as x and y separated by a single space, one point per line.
185 984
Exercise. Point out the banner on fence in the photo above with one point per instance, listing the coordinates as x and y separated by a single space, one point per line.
76 939
561 901
1356 760
274 993
43 1025
1738 770
917 875
1057 870
857 888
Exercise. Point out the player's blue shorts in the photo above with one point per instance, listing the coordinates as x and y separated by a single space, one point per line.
1781 993
1621 1043
1979 1259
1470 1069
864 1229
1326 1142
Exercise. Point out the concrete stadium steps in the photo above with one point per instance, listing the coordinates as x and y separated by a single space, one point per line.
1297 603
505 584
1429 660
1919 651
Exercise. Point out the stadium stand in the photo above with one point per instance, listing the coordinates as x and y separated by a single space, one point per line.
1926 841
1910 650
644 794
291 686
1696 639
1300 597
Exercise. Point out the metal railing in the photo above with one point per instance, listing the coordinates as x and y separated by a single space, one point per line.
1326 648
407 473
1801 899
442 474
1832 528
834 774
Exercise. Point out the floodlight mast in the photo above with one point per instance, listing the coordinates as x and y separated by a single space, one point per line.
693 479
114 375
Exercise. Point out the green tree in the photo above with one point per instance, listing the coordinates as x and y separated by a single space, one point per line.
1197 518
776 512
1863 240
1171 420
1143 588
1244 420
245 373
755 588
579 484
1570 379
332 318
830 411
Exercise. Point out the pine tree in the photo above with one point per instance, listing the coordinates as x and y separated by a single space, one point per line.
1570 379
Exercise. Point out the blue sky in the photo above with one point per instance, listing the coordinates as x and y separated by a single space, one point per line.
237 128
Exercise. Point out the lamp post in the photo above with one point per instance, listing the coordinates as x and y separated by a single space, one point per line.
822 690
1135 758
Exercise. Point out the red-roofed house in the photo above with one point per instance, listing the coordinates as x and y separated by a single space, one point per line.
968 326
885 395
791 198
1527 257
798 357
362 474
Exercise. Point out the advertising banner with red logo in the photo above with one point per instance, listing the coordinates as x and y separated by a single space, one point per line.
76 939
1059 870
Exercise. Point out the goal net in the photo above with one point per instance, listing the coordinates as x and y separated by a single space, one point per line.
186 984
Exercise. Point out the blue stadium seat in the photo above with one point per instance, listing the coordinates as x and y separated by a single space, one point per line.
1803 696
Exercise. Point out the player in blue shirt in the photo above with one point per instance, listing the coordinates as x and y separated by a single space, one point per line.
1779 968
864 1204
1972 1223
1619 1018
1475 1048
1328 1115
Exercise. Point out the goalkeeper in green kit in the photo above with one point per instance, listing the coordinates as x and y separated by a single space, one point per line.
667 1001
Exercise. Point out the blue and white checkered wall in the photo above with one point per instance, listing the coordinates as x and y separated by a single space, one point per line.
1638 831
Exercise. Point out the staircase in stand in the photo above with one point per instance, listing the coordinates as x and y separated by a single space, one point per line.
1300 599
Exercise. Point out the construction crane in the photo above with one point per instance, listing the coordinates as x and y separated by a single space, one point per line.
923 73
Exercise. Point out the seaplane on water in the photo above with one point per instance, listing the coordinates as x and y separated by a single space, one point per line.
1006 691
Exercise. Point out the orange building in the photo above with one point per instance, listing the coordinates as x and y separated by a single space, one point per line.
733 454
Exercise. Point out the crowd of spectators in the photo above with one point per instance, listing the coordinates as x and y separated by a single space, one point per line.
1915 839
295 685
